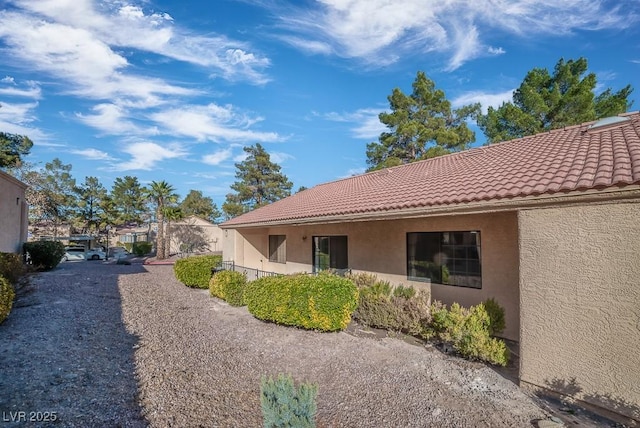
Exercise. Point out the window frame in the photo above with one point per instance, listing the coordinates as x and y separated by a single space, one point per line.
332 259
278 248
459 251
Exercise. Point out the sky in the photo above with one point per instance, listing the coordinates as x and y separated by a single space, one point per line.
168 90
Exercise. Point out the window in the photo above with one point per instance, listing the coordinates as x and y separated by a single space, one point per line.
278 248
451 258
329 252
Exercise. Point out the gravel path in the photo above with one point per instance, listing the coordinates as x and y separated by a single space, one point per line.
105 345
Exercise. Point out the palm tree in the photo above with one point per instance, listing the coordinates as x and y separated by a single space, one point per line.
173 213
161 193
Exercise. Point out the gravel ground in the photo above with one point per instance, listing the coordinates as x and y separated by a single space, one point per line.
97 344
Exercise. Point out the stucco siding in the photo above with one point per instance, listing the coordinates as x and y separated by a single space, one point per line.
13 214
380 247
580 300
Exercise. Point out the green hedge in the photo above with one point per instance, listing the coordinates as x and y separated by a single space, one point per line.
324 302
11 267
141 248
229 285
7 294
44 255
195 271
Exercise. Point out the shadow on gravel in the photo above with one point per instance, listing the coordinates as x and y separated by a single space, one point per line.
66 357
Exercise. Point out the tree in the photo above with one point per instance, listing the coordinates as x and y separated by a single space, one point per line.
57 193
204 207
91 195
161 194
421 125
13 148
260 182
130 199
544 102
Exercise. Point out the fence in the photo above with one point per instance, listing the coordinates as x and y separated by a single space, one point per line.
253 274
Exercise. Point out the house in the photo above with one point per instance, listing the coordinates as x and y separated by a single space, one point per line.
548 225
194 234
14 212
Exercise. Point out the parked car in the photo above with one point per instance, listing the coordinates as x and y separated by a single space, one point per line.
95 254
74 253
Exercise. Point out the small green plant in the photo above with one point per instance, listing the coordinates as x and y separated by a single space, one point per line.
195 271
323 302
362 279
496 316
7 294
468 332
141 248
229 285
285 406
404 292
44 255
11 267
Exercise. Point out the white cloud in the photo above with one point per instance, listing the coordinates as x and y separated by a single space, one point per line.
31 89
280 157
487 100
366 124
217 158
211 122
379 32
146 155
92 154
110 118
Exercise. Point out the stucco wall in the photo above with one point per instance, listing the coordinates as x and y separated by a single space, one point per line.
13 214
580 299
380 247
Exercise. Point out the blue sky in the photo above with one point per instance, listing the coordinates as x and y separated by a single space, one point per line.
167 90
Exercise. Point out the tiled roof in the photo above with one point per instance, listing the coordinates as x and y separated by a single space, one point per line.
576 158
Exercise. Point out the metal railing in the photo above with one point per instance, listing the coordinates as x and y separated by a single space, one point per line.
253 273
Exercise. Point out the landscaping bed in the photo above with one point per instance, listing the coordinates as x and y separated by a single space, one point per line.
116 345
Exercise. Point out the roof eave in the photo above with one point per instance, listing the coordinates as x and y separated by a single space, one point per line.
479 207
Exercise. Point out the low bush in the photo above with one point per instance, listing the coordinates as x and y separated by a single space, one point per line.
496 316
11 267
324 302
141 248
228 285
7 294
468 331
44 255
284 405
195 271
399 309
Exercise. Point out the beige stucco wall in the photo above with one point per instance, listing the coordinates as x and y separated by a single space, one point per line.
13 214
209 232
580 299
380 247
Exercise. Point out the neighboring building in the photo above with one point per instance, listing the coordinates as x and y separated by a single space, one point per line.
194 235
132 234
548 225
14 218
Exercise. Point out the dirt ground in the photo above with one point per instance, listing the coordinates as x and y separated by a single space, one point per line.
100 344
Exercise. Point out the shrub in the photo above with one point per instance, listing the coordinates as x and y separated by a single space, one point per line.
141 248
403 309
229 285
11 267
44 255
195 271
7 294
496 316
362 279
323 302
284 405
468 332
